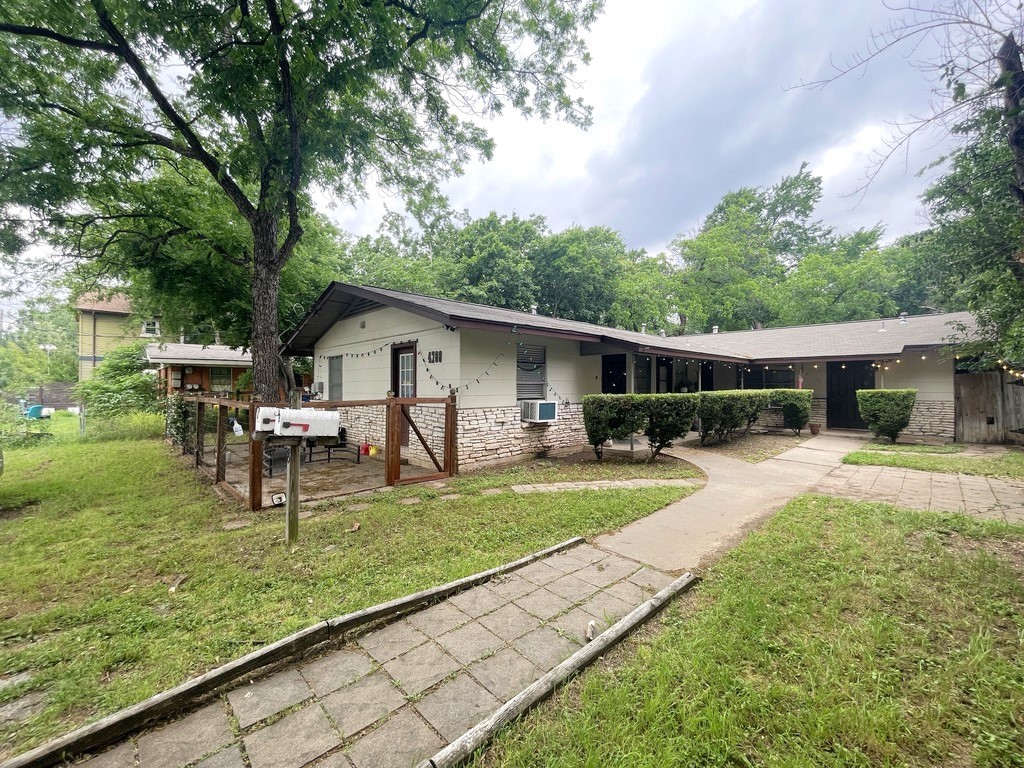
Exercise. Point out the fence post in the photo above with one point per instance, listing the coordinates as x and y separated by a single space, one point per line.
255 462
200 429
294 459
451 443
392 441
222 428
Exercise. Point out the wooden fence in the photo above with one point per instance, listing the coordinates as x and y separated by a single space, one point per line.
397 411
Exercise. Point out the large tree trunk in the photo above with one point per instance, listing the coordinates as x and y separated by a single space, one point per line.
266 279
1009 58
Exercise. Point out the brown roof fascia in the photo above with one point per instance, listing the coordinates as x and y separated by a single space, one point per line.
481 325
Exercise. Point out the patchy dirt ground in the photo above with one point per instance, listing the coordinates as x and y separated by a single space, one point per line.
1009 550
754 447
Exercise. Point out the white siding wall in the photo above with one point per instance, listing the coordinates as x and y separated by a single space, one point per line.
931 377
369 378
568 373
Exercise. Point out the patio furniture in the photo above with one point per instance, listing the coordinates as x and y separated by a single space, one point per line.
35 412
341 450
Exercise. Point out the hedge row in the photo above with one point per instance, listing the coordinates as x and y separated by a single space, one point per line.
886 411
661 417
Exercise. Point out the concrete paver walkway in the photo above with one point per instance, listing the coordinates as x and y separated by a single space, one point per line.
940 492
396 695
683 534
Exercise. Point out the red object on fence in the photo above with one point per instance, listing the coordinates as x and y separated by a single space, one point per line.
364 449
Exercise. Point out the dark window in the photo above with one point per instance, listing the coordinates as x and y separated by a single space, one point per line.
531 372
780 378
642 374
220 379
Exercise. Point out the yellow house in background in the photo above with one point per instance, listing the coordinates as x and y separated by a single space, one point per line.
105 324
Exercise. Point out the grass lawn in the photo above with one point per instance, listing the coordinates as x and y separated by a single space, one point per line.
93 534
1009 465
578 468
929 449
754 448
841 633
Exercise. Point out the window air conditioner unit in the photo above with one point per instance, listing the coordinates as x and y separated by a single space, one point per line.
539 411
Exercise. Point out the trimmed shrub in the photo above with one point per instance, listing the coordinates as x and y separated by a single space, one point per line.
796 407
661 417
607 417
723 413
668 416
886 411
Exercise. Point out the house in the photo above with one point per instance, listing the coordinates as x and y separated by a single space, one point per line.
196 368
105 323
367 341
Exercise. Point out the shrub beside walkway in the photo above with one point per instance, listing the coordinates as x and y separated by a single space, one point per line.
398 694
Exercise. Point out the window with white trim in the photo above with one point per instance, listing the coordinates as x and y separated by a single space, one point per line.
334 391
150 328
531 372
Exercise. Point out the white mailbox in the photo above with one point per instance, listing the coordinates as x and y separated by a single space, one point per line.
266 419
298 422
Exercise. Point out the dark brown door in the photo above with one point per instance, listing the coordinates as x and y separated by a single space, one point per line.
403 377
844 379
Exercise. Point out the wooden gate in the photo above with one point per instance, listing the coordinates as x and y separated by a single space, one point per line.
989 408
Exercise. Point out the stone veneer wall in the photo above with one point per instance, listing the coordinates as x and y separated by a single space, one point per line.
486 435
494 435
773 418
932 418
367 424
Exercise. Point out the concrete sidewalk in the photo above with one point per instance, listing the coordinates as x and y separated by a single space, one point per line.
394 696
684 534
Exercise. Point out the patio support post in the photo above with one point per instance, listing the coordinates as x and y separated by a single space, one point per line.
392 441
200 427
294 458
222 428
255 462
451 459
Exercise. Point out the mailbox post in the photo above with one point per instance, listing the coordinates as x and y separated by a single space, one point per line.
291 427
291 534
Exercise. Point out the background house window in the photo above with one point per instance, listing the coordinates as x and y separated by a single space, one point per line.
642 374
220 379
531 372
334 391
150 328
772 378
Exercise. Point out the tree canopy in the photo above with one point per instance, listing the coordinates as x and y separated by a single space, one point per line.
267 99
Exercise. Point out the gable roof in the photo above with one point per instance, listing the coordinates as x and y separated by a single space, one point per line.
341 300
114 304
852 340
197 354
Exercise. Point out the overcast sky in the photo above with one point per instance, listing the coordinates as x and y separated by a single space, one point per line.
692 100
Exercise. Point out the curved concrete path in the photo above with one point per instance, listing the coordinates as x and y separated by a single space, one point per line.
684 534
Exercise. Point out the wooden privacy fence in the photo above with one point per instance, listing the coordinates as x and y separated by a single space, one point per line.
201 415
989 408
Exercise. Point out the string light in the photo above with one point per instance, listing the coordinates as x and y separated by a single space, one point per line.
473 379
